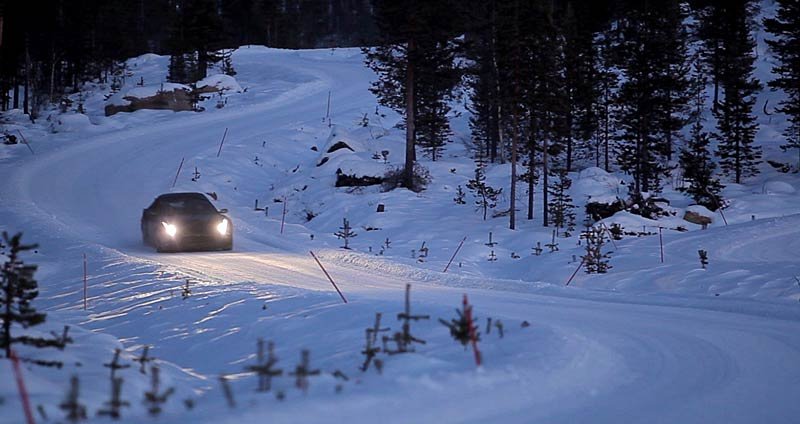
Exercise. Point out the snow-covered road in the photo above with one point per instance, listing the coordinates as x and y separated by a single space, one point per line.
586 358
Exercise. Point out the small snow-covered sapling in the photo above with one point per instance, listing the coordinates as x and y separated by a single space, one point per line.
492 256
491 243
346 233
404 340
460 327
371 349
538 249
423 251
553 245
153 399
112 407
74 410
387 244
703 258
144 360
61 340
459 199
114 365
303 370
265 369
185 290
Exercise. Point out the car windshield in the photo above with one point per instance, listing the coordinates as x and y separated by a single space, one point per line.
187 205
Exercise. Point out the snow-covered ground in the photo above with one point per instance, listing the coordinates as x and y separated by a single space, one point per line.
648 342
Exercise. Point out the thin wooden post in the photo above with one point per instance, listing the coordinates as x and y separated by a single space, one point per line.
661 243
576 271
23 392
283 217
328 275
328 109
222 142
178 173
24 140
455 253
85 281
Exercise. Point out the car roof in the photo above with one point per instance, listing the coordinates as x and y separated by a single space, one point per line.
182 196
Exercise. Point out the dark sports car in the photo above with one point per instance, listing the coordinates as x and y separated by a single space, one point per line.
186 221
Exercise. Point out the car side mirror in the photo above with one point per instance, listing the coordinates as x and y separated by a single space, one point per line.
223 211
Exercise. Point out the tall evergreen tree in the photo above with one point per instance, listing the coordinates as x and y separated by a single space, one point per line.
736 124
414 63
582 82
785 27
652 94
197 34
695 158
482 78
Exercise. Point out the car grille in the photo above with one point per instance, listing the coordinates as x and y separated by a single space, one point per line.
198 228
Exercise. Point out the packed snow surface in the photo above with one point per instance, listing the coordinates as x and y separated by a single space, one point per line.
651 341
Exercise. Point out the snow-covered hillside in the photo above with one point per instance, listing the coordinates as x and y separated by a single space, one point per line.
650 341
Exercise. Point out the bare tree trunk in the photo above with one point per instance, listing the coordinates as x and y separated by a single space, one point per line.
545 158
26 98
408 171
514 137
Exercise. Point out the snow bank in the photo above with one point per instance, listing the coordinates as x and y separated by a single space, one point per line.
778 187
596 185
70 123
219 82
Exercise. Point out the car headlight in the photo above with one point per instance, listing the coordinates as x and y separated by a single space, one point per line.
222 227
170 229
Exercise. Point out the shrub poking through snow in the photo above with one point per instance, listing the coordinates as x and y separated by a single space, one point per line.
403 340
703 258
345 233
74 411
393 178
595 261
154 399
303 370
115 403
459 199
460 327
114 365
144 360
19 289
265 369
371 349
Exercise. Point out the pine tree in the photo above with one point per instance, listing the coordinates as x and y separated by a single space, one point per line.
595 260
736 124
695 158
582 80
19 290
608 84
785 27
485 195
652 97
414 62
562 214
482 78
